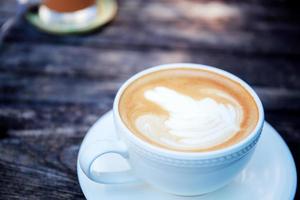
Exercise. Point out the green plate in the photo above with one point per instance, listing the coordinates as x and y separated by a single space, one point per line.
107 9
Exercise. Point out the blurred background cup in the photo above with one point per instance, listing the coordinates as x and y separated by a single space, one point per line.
68 12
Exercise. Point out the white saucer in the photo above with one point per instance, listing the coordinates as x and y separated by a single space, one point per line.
270 175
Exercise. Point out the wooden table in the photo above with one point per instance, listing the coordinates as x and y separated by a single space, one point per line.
52 89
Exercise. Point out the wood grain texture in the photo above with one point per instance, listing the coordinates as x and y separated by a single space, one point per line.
53 88
170 24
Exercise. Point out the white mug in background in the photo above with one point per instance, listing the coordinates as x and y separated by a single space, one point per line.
179 173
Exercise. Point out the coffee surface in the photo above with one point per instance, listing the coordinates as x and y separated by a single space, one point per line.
68 5
190 110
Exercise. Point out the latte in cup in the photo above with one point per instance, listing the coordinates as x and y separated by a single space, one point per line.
68 12
68 5
189 110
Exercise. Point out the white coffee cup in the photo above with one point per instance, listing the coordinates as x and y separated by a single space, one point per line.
179 173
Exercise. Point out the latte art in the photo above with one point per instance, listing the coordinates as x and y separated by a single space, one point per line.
191 123
189 110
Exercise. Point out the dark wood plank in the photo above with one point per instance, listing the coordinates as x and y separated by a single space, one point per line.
68 90
237 28
39 145
29 118
21 61
35 168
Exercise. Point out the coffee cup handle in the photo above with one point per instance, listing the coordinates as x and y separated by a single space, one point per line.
91 152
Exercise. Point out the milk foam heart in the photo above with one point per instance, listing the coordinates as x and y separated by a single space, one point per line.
191 123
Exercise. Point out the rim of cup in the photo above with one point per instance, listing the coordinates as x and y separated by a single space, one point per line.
189 155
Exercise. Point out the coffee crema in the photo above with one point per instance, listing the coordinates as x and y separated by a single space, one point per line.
190 110
68 5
